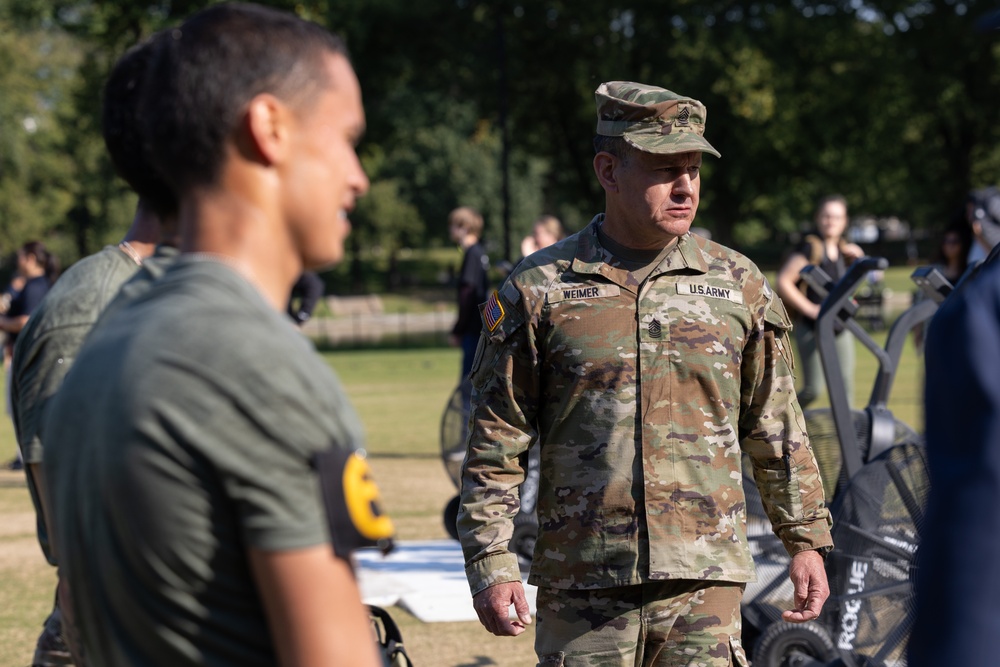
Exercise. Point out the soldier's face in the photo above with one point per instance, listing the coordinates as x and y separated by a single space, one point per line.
327 176
658 196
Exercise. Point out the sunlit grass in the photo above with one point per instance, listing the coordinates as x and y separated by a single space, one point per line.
400 395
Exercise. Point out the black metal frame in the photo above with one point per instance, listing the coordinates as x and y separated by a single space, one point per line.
838 308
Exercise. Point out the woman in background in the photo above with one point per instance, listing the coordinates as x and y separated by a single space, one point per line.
952 261
38 268
829 250
953 253
546 231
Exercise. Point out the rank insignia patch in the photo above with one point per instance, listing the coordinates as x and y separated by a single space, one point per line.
493 312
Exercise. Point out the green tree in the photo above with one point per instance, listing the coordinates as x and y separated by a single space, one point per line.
892 104
38 70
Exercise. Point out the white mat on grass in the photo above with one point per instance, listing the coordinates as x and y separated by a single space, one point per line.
427 578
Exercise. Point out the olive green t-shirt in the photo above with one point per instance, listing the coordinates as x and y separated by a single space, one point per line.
184 435
152 270
51 339
48 345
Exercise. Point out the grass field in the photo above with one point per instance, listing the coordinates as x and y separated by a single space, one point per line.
400 396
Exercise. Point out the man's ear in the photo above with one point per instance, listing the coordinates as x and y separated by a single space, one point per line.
266 130
606 167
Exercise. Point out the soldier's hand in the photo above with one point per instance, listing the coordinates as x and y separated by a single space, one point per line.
493 606
808 575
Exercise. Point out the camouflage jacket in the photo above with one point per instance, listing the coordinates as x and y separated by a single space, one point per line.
641 398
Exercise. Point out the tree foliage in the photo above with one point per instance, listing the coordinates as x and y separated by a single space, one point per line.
37 70
893 104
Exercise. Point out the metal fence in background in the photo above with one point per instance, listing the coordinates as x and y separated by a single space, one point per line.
362 321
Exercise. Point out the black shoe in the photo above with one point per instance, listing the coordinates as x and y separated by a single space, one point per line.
16 464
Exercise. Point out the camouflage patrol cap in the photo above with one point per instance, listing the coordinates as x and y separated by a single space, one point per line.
651 119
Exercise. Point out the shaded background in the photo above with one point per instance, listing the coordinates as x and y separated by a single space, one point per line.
489 103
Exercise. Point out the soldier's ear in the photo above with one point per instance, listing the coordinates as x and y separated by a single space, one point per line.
606 167
265 132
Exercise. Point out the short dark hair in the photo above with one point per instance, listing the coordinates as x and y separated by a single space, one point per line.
119 125
617 146
45 259
209 68
830 199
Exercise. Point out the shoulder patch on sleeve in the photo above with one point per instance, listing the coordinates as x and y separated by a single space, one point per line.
501 313
510 293
493 312
776 315
352 502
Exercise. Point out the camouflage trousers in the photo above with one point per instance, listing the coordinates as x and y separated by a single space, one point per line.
668 624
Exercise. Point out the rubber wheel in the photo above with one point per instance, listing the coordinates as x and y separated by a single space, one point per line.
451 517
784 644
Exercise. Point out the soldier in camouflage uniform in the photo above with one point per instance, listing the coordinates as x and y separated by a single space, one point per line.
643 360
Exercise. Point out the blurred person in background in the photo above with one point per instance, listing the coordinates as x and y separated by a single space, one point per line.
952 256
951 259
465 228
982 211
546 231
829 250
38 268
186 450
13 288
51 340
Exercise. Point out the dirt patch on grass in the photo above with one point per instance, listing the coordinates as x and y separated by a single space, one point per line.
11 479
19 524
414 492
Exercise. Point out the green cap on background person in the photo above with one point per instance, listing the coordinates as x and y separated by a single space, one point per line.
651 119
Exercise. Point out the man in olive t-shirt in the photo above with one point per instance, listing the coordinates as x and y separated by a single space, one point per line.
183 441
50 341
52 338
195 383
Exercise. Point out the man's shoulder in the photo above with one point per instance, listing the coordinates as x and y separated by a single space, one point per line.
534 274
74 302
735 267
197 339
210 313
720 257
207 304
107 261
214 340
84 289
543 265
